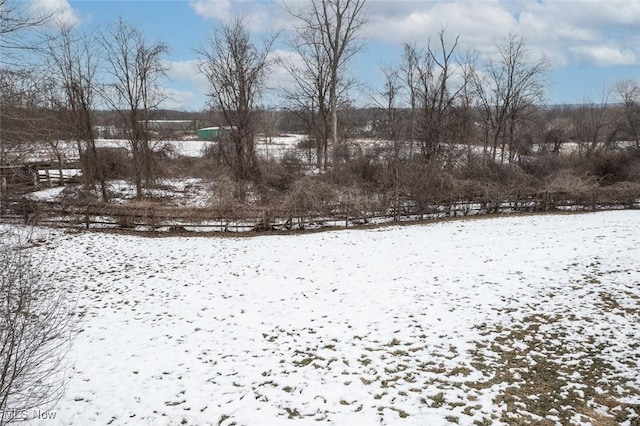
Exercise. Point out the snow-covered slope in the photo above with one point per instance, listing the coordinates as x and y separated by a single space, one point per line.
496 320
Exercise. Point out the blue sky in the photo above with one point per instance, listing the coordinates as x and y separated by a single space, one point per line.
590 43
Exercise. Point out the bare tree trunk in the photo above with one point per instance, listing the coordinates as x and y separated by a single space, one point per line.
333 107
629 92
328 32
432 97
75 63
236 70
135 67
508 88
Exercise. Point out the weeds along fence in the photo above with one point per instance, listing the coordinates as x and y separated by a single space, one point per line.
148 216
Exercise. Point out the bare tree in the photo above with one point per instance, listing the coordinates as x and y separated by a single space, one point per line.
409 73
467 102
629 93
269 124
389 104
36 330
19 98
236 69
331 29
17 83
54 129
308 97
29 105
15 24
74 65
596 125
507 89
135 68
433 96
559 128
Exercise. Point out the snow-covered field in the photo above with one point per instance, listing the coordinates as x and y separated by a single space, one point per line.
273 148
195 148
516 320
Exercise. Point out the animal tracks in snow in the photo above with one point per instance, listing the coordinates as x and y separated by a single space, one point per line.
514 320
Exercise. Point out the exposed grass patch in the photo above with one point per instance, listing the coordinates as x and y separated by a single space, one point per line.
547 370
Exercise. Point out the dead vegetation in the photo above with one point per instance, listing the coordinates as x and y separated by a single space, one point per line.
358 192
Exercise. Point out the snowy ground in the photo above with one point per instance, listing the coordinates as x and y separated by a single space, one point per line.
191 192
177 192
517 320
273 148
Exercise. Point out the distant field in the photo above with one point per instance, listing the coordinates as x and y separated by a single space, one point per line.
273 148
519 320
266 148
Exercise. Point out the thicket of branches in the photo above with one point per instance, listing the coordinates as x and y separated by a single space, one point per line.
36 331
446 125
236 70
36 319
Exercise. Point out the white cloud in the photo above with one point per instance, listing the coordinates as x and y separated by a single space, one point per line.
220 10
60 11
187 71
594 32
189 86
259 16
605 55
602 33
279 77
179 99
417 22
182 70
563 31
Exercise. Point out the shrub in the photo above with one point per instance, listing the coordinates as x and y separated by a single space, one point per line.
566 185
487 170
355 204
633 170
506 180
483 192
609 167
309 196
544 165
114 162
427 185
627 193
212 151
165 151
227 198
202 168
36 330
365 169
291 163
306 143
280 174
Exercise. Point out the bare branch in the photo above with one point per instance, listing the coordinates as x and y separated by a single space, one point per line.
36 330
236 69
327 39
135 69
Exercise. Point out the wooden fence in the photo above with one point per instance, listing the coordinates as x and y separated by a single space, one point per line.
146 216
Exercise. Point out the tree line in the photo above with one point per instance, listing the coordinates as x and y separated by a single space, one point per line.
440 108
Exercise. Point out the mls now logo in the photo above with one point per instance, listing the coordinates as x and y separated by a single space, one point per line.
43 415
12 415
